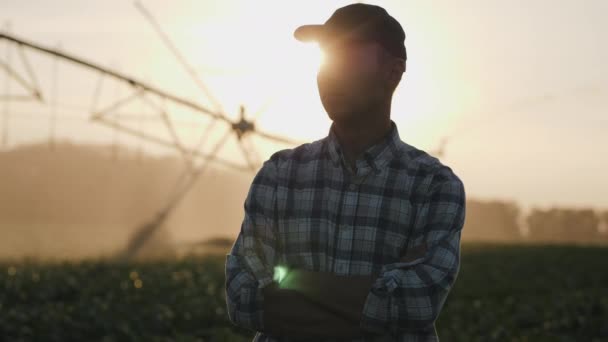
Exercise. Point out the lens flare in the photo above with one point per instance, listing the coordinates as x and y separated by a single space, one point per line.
279 273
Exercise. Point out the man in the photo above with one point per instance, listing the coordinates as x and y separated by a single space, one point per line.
356 236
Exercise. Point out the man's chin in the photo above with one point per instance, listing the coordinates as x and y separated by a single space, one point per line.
341 116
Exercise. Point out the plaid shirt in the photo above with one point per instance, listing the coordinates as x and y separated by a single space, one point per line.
307 209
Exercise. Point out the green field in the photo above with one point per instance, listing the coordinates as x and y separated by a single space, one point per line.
503 293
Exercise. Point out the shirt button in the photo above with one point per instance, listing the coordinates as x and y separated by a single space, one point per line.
352 186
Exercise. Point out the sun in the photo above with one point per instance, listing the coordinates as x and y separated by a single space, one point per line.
315 56
262 66
309 56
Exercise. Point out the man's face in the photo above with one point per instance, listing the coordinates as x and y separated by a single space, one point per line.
351 81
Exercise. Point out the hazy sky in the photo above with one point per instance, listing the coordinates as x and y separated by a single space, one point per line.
520 88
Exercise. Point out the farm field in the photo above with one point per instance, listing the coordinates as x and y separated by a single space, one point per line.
503 293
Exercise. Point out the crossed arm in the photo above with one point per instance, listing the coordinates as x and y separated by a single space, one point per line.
405 295
320 304
321 310
304 304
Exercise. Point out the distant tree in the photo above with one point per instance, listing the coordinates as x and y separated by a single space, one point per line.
603 225
492 221
563 225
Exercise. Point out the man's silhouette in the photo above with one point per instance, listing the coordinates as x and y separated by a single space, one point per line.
356 236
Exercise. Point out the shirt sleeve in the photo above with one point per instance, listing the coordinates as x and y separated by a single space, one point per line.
409 296
250 262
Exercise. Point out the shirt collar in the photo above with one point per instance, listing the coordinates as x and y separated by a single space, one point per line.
374 157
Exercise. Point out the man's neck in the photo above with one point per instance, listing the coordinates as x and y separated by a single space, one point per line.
356 137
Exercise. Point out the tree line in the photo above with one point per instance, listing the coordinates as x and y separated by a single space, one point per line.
499 220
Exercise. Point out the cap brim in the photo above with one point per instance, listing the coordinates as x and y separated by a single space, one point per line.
308 33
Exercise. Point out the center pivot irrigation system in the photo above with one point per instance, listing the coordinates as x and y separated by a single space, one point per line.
156 100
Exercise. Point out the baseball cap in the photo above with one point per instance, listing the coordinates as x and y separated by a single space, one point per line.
359 21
